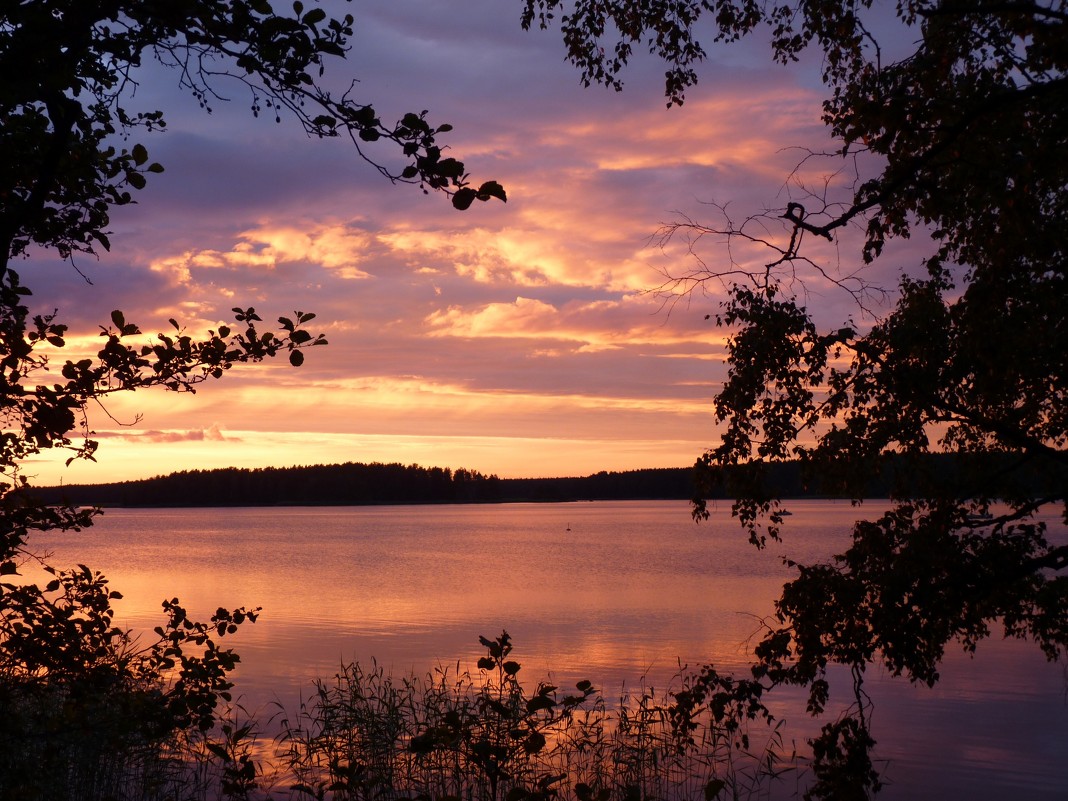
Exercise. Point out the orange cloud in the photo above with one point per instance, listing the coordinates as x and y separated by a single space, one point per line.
334 246
523 318
488 257
596 325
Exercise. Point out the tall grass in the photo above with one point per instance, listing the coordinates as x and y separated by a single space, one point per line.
365 735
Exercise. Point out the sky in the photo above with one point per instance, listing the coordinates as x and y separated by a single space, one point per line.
518 339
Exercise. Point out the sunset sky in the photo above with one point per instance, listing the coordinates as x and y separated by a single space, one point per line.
520 339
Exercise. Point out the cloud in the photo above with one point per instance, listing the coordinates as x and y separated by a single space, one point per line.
737 128
336 247
595 325
530 258
525 317
212 434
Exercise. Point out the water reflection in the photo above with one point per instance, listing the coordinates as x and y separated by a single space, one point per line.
630 591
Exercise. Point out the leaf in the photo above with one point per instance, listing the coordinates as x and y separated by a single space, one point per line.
296 358
8 569
450 168
714 788
534 743
540 702
118 319
463 198
492 189
422 743
136 180
140 154
315 16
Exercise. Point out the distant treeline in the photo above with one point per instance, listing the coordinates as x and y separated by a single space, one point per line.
356 484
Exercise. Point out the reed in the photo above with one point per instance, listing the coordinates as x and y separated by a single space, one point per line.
456 736
365 735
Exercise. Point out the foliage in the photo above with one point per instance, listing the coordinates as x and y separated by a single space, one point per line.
65 668
97 713
71 69
959 142
366 735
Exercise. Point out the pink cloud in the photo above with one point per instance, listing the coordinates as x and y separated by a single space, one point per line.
212 434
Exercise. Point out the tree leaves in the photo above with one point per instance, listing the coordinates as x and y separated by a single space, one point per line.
465 196
968 129
67 95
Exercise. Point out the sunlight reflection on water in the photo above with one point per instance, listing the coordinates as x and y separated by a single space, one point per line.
630 590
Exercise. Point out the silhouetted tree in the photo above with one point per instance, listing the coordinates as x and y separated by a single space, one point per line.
67 75
960 141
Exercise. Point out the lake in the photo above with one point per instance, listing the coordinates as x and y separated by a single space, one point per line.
613 592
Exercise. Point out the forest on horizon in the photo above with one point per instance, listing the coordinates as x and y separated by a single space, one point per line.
359 484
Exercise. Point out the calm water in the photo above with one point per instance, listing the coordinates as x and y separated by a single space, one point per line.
612 592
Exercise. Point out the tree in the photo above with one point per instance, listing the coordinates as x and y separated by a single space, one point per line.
961 143
68 71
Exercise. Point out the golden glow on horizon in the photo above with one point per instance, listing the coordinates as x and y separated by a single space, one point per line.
507 457
399 396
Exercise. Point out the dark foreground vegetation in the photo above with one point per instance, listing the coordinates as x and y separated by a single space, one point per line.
365 734
957 139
